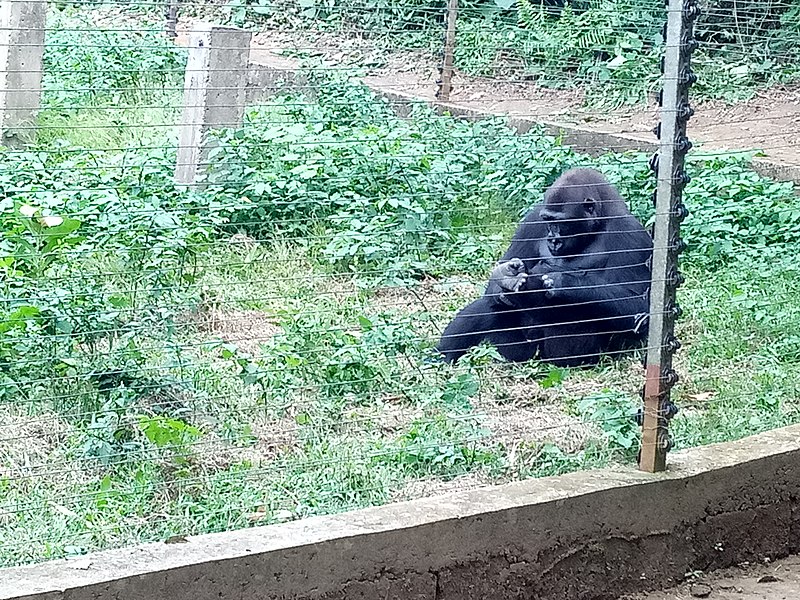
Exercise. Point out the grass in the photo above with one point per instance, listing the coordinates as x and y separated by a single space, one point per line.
271 455
272 383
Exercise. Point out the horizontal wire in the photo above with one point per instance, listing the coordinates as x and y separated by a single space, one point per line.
357 425
343 329
154 387
77 378
260 472
158 369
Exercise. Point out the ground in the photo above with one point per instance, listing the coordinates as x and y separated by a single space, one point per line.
770 122
287 451
778 580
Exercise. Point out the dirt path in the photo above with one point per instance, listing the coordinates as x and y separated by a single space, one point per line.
769 123
774 581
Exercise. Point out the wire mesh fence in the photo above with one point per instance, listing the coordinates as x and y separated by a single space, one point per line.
230 252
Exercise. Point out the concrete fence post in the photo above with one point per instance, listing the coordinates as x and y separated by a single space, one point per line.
214 92
668 164
22 29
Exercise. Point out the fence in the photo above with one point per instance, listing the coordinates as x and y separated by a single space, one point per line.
234 236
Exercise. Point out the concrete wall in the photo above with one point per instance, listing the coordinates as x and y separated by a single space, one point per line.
590 536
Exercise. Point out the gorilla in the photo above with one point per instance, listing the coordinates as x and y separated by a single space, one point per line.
573 285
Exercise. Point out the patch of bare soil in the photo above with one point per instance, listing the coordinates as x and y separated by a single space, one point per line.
247 329
771 581
27 443
770 122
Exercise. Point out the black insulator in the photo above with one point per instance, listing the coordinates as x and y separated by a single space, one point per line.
670 409
687 77
653 163
671 377
677 280
691 11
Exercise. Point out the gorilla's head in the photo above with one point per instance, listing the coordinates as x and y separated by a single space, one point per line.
575 210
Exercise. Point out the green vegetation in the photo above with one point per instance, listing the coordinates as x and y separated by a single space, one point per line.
176 361
609 48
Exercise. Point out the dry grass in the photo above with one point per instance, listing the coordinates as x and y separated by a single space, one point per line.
28 443
425 488
268 439
430 296
247 329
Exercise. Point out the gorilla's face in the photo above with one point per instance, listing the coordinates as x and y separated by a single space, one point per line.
570 217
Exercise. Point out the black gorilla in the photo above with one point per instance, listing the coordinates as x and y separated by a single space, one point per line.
573 285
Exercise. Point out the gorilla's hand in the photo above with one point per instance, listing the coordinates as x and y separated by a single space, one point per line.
552 282
506 278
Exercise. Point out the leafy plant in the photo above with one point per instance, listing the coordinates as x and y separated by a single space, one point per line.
614 414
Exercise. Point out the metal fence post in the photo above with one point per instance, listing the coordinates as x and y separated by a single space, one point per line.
446 77
668 163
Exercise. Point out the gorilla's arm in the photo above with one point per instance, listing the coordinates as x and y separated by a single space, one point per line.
612 274
511 287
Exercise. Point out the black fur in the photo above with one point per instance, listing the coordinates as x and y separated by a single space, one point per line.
574 283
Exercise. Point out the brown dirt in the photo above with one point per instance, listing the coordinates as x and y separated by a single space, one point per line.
772 581
770 122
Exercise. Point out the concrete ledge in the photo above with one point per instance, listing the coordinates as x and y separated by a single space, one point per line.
590 535
777 171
